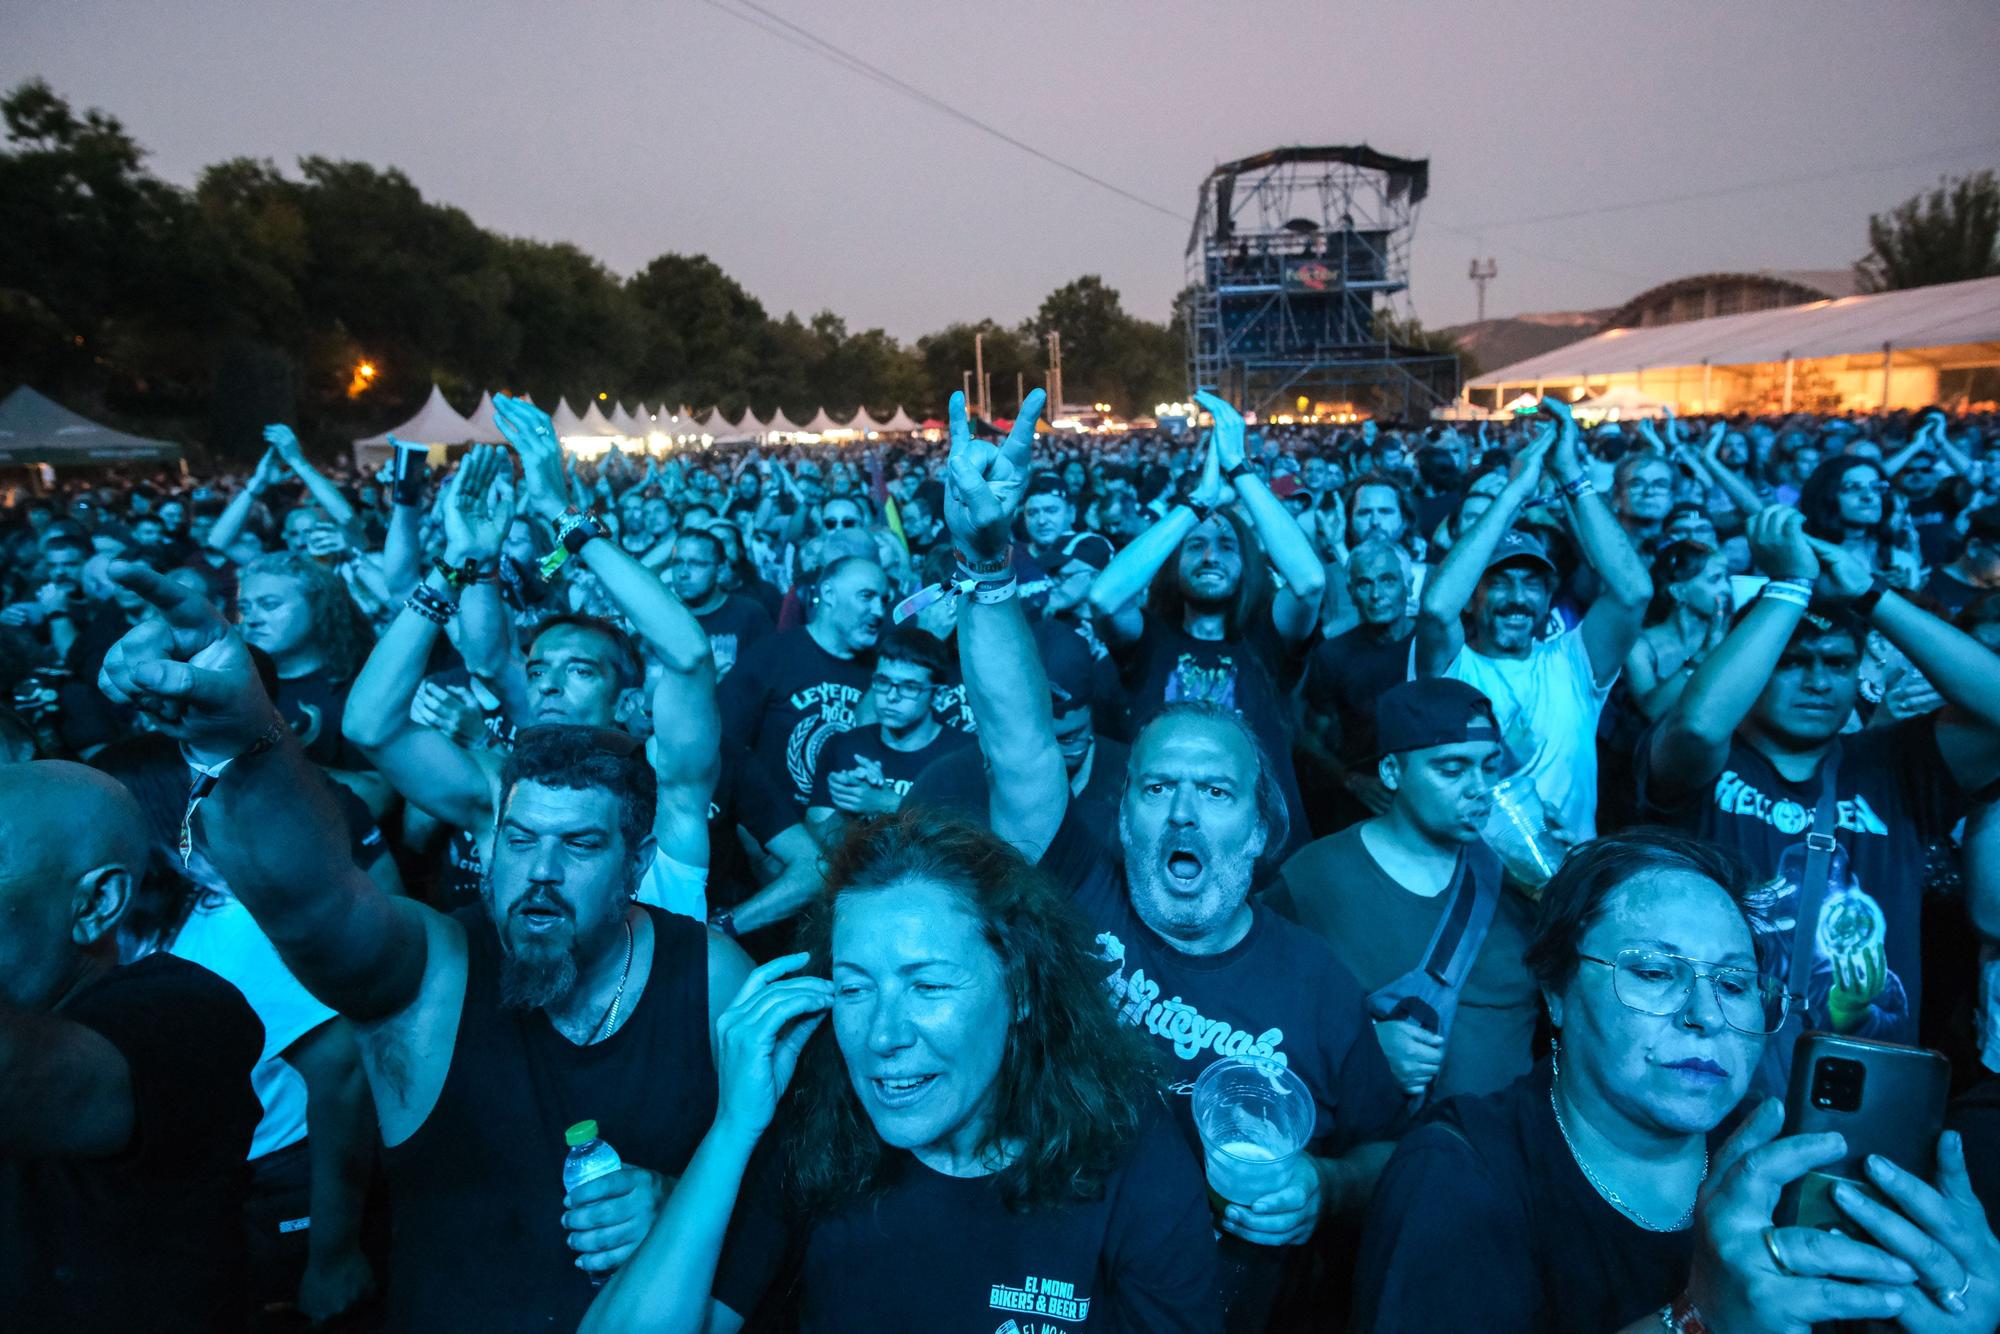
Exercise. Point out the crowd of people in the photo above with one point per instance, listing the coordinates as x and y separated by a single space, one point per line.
875 846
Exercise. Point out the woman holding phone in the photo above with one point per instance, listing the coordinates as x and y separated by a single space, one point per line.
1585 1197
978 1139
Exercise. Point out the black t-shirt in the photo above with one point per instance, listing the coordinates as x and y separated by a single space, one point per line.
864 748
956 783
733 628
787 697
151 1238
1950 592
1278 993
940 1253
314 705
1346 675
1938 537
1483 1221
1252 675
746 795
1896 796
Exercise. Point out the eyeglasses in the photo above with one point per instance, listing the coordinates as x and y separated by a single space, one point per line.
895 689
1658 983
1863 488
842 523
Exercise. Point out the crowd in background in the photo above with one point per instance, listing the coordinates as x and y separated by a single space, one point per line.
1479 775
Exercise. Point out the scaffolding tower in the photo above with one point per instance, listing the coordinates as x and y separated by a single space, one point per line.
1299 260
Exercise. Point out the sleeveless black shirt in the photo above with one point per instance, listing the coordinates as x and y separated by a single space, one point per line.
476 1193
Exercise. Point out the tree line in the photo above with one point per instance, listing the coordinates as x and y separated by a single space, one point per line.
253 297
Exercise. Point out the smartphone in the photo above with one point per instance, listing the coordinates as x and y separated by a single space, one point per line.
1883 1098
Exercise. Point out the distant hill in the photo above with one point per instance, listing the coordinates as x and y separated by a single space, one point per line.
1502 342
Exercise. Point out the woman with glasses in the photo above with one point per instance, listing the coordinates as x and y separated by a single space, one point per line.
1594 1193
1847 500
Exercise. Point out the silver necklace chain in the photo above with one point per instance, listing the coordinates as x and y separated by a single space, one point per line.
1612 1197
603 1029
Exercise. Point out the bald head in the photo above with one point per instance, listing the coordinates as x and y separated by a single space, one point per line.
59 820
72 848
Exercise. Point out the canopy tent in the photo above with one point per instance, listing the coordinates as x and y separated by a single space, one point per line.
483 429
436 423
900 420
565 420
1620 403
627 424
596 424
864 423
822 424
780 424
716 424
34 429
1460 410
1889 349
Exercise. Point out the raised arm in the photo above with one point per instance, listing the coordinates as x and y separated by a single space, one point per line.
1612 623
1004 680
402 549
435 773
1689 747
293 455
229 524
1959 667
1295 610
1116 594
1741 494
687 730
270 821
1440 635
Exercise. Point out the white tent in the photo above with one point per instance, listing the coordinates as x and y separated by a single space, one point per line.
822 424
596 424
483 429
436 423
715 424
1886 348
1619 403
900 421
864 423
565 420
625 423
780 424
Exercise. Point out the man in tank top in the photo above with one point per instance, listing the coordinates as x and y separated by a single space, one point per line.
487 1032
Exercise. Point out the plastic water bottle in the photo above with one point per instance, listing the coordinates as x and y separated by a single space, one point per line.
588 1159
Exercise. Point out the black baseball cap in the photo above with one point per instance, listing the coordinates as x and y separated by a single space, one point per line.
1519 548
1048 484
1432 711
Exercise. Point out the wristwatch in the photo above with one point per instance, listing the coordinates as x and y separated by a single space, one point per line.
1864 606
1235 471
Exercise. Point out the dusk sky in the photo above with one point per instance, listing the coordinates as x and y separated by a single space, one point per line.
633 128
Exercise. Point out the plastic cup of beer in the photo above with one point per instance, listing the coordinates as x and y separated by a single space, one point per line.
1255 1118
1518 832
